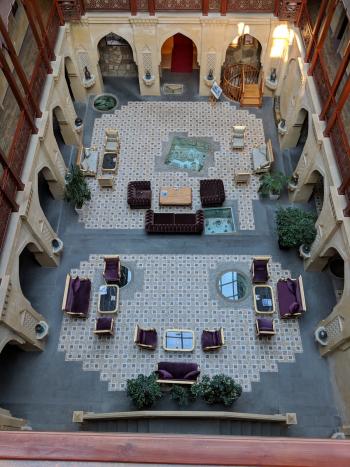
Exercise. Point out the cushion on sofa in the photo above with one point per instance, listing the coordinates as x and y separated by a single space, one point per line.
291 285
75 284
164 374
293 307
265 324
192 375
163 218
185 219
178 369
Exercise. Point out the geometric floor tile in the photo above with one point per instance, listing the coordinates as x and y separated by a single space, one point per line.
145 127
178 291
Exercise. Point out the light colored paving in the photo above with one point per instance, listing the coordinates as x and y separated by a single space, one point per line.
144 129
178 291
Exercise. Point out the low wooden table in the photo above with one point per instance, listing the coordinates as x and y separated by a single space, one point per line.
175 196
108 302
109 162
263 299
179 340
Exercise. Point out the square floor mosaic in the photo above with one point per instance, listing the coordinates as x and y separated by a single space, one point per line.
144 127
177 291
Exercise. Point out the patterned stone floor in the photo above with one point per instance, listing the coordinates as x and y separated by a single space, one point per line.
144 129
178 291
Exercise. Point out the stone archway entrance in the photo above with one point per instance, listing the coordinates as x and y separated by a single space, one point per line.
116 57
242 77
179 65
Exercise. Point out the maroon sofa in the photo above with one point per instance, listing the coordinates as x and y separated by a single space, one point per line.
139 194
212 192
177 372
191 223
291 297
76 296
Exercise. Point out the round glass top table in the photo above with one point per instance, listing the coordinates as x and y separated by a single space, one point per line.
233 285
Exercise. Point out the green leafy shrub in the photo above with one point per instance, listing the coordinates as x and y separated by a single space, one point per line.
143 390
77 190
295 227
180 395
220 389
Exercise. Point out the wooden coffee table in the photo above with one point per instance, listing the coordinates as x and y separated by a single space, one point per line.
263 299
175 196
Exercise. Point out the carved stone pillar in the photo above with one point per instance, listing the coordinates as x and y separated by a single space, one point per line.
39 227
147 54
18 315
51 157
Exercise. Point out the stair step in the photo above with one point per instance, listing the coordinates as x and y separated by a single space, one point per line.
251 93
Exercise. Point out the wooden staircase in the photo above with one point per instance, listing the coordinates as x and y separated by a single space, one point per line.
244 83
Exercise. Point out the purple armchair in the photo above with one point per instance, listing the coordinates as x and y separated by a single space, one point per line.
291 297
111 271
212 339
139 194
212 192
104 326
177 372
260 269
76 296
265 327
145 337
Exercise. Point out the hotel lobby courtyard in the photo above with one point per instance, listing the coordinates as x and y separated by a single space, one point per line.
174 280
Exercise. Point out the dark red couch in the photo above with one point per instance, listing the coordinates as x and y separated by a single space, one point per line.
291 297
212 192
191 223
76 296
139 194
177 372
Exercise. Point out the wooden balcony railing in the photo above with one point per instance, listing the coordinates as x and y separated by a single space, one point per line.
337 134
73 9
156 449
17 152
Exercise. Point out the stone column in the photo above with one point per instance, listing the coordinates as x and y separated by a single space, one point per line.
34 220
18 315
51 157
146 45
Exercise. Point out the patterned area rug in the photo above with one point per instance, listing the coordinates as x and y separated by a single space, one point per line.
169 88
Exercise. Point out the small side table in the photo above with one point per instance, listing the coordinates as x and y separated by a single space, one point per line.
105 181
108 302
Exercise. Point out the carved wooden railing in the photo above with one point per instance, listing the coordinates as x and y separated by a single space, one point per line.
153 449
232 82
73 9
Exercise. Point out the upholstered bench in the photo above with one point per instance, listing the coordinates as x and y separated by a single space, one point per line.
177 372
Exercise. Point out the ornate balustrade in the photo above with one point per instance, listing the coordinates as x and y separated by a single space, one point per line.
72 10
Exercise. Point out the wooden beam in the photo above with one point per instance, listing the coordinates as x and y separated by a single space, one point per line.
288 418
326 25
21 101
316 29
19 69
9 199
174 449
133 7
205 7
6 166
337 80
51 53
223 7
151 7
276 9
339 106
28 9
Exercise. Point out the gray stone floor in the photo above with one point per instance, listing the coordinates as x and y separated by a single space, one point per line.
46 389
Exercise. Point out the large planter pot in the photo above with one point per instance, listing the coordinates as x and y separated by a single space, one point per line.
304 254
274 196
283 247
292 186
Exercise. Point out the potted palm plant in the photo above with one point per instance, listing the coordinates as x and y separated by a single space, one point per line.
272 184
77 191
